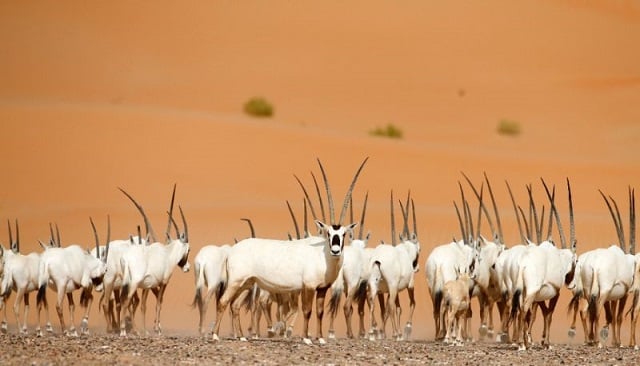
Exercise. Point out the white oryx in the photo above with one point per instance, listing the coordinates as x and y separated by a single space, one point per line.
543 271
352 280
149 267
20 274
392 270
210 277
280 266
605 277
65 270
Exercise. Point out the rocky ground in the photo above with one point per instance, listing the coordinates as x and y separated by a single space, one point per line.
185 350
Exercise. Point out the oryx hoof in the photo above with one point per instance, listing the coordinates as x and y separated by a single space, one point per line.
502 338
23 330
572 332
39 333
636 347
288 333
483 331
215 338
49 328
321 341
243 339
331 335
522 347
372 335
271 333
3 327
604 333
307 341
407 331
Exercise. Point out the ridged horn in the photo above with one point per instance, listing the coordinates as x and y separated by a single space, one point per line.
350 191
482 205
616 223
173 197
295 222
95 234
632 221
572 226
184 223
393 222
495 210
364 210
147 223
306 195
252 230
515 209
332 213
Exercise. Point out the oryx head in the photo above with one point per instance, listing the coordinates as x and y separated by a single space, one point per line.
336 232
14 245
182 240
97 265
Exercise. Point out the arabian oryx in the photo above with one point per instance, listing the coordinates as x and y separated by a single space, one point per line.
455 305
542 272
393 267
149 267
280 266
604 277
446 261
20 274
352 279
65 270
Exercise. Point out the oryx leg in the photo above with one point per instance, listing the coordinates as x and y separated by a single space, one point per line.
348 312
373 289
72 309
236 305
264 307
307 303
86 299
3 307
412 307
619 316
635 310
547 314
159 292
393 307
483 303
436 301
289 309
143 310
321 293
20 295
107 307
361 301
40 305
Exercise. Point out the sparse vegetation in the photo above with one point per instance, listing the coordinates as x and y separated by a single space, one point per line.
509 127
258 107
390 131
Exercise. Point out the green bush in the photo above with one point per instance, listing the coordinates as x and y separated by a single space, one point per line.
509 127
258 107
390 131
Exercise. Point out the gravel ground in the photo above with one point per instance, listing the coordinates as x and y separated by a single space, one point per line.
185 350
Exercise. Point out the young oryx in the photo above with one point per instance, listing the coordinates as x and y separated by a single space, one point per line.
542 272
353 275
280 266
150 267
392 270
20 274
455 305
65 270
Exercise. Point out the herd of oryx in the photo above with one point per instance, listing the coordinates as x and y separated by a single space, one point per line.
257 273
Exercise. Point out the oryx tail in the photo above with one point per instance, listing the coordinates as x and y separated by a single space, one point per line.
337 288
199 275
594 294
518 293
43 280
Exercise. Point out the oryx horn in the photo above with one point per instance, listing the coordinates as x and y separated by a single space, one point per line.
350 191
484 208
572 225
173 197
393 222
184 223
616 220
295 222
248 221
495 210
306 195
147 223
632 221
554 211
364 210
515 209
95 234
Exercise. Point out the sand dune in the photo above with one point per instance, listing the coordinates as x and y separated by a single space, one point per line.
142 97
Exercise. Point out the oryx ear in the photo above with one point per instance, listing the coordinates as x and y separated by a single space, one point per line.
414 237
321 226
352 226
131 239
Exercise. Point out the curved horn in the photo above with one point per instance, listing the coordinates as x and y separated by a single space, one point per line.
464 234
470 221
495 210
305 224
306 195
467 230
95 234
526 224
295 222
515 208
482 205
632 221
364 210
315 183
332 213
415 225
106 248
184 223
139 235
147 223
552 197
248 221
572 226
58 235
17 236
350 191
173 197
616 223
554 210
393 222
533 215
405 216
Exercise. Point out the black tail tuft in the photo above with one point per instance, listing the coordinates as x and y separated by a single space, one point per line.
334 302
220 291
197 299
592 307
515 304
437 301
42 292
361 292
575 301
124 292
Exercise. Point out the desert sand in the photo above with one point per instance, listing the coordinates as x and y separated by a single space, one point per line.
145 95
